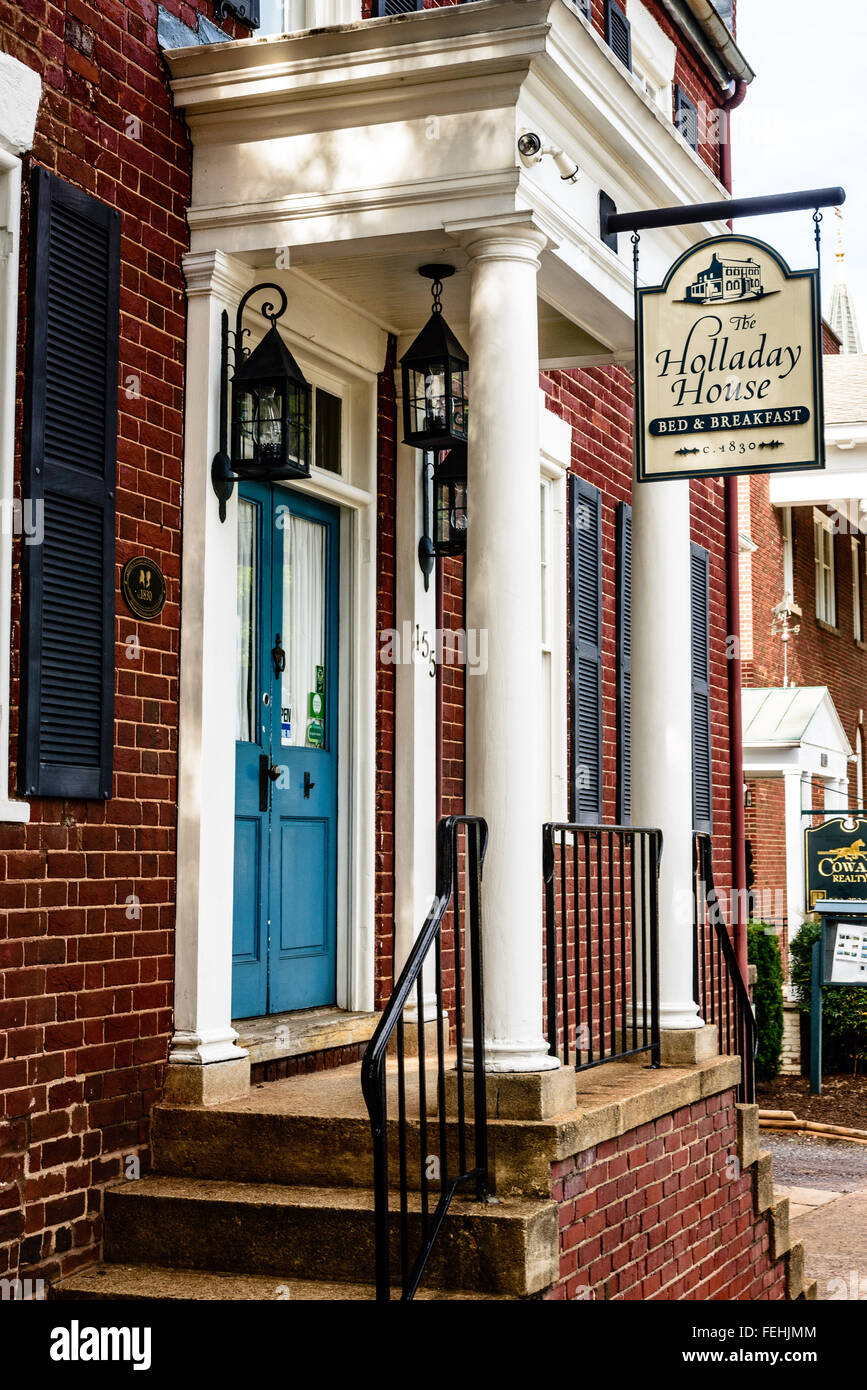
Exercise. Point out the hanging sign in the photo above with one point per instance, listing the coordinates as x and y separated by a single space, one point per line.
143 587
836 855
729 365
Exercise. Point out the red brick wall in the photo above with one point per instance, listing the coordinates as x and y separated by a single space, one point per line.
765 828
817 655
85 969
655 1214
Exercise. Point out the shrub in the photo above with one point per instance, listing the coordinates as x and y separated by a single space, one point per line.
763 950
844 1011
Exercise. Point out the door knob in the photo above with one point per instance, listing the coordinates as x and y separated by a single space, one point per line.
308 786
278 656
274 771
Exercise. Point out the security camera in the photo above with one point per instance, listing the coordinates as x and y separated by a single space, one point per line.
532 150
530 147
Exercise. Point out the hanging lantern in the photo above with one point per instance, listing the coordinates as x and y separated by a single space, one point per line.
435 374
270 414
450 502
270 437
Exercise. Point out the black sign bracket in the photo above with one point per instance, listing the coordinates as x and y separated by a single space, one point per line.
728 208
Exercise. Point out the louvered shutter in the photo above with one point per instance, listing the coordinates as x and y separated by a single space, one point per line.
618 33
624 663
586 674
384 7
685 118
69 465
702 784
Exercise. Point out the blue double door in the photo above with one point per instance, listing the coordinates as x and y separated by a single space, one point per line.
285 893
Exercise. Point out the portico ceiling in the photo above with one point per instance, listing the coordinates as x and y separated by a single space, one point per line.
364 150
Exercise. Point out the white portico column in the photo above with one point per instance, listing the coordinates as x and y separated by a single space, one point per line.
205 1062
662 725
503 587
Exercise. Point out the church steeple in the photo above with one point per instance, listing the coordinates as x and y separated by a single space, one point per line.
842 317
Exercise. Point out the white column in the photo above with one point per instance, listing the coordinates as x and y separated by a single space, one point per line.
798 794
206 772
503 595
662 724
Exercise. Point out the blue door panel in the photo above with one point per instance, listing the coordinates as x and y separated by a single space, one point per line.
285 892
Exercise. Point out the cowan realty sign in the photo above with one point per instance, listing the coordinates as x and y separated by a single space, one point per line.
836 860
729 365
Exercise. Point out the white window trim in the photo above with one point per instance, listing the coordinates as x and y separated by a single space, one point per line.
653 56
555 456
20 93
315 14
825 612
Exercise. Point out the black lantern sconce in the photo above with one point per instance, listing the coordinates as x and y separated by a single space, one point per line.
435 374
450 502
270 432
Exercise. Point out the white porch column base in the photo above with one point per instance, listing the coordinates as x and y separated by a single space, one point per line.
203 1049
503 578
662 723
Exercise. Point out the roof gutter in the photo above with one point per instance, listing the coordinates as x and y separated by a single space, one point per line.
701 22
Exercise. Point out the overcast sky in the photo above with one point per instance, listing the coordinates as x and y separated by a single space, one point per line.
803 125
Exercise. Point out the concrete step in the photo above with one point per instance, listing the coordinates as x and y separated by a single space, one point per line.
314 1131
317 1233
154 1283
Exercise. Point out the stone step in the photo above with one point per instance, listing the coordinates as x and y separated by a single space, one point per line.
156 1284
508 1248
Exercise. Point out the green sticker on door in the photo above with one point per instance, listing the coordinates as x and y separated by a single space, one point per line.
316 712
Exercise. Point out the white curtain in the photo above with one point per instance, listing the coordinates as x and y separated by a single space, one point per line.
245 704
304 597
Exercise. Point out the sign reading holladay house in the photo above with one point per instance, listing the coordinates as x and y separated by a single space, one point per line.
729 365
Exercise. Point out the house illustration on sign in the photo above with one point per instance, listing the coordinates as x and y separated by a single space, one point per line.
726 279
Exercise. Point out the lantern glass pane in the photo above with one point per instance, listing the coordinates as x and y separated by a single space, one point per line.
442 512
270 433
247 425
298 426
459 400
459 508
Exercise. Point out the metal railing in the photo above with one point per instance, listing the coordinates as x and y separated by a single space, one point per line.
601 941
409 1229
720 992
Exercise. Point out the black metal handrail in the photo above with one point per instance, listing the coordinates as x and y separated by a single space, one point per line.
466 910
720 991
601 941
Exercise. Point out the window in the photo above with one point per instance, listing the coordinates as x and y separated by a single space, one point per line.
856 589
618 34
702 776
585 744
624 663
823 541
327 430
685 118
69 466
384 7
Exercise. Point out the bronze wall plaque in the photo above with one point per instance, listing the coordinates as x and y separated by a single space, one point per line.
144 588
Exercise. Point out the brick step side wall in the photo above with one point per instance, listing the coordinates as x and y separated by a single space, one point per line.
680 1208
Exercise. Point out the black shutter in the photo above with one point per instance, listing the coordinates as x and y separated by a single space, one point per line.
585 743
624 663
384 7
69 466
702 778
618 33
247 11
685 118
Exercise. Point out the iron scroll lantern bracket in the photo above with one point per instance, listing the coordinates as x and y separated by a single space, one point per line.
271 406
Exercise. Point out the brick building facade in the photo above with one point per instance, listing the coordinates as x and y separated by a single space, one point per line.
99 960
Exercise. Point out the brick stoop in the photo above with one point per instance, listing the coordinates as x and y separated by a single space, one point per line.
268 1196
